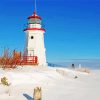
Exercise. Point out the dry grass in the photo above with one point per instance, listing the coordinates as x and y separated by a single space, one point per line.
4 81
10 59
86 70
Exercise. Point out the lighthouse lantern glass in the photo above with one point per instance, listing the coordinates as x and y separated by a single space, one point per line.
34 21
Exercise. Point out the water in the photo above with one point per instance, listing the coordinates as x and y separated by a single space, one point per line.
87 63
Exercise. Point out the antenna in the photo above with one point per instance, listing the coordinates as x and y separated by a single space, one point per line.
35 7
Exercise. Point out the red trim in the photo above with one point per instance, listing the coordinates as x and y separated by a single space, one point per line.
41 29
38 17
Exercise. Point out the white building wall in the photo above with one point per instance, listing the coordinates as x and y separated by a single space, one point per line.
35 46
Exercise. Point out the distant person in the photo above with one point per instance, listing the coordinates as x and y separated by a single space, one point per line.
73 66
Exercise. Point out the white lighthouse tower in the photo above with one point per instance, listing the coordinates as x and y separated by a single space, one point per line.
35 39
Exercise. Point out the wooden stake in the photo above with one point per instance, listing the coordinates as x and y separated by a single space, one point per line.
37 94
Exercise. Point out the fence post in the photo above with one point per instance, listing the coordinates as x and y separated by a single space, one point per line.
37 94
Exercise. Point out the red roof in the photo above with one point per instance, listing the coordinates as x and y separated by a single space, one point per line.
35 16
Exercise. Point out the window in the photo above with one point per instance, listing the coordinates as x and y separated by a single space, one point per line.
32 37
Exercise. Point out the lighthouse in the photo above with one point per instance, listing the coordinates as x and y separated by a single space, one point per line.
35 40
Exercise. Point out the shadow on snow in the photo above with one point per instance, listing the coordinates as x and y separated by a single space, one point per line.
28 97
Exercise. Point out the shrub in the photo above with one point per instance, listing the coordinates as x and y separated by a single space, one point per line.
10 59
4 81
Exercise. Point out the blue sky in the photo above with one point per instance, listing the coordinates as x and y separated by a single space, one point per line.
72 27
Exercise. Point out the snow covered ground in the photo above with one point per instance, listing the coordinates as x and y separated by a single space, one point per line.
57 84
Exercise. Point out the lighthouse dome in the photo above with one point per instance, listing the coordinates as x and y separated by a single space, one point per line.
35 16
